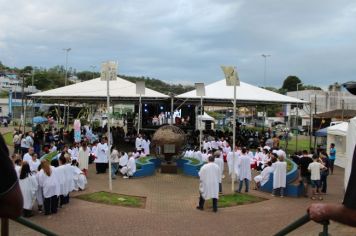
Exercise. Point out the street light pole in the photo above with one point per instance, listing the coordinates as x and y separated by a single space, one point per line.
296 119
93 68
65 84
265 68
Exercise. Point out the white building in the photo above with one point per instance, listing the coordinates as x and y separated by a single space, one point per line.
320 102
7 83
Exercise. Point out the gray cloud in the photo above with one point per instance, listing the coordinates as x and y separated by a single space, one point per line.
186 41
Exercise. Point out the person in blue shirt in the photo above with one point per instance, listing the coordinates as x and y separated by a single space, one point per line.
332 157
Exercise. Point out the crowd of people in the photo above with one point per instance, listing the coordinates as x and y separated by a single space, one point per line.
49 183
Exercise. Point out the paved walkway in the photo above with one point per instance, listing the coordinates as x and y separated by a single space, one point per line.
170 210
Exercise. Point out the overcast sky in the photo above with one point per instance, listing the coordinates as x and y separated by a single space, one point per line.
186 41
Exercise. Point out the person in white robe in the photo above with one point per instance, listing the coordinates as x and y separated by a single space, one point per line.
230 162
28 185
218 159
262 178
279 176
204 156
123 160
210 177
34 163
75 152
206 145
101 155
80 180
197 155
138 142
130 169
244 164
48 180
28 156
83 158
146 146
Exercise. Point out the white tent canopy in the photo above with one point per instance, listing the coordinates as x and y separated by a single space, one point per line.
206 117
337 135
96 89
245 93
350 147
339 129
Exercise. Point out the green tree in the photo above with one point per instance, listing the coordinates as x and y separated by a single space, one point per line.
290 83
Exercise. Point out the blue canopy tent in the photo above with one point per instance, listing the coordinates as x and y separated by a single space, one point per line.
39 119
321 132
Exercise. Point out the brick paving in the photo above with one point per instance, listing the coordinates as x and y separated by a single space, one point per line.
170 210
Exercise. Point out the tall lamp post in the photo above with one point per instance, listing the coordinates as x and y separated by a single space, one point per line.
232 79
108 73
265 68
200 91
140 89
296 119
92 70
67 50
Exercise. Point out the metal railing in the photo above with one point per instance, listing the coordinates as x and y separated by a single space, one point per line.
25 222
300 222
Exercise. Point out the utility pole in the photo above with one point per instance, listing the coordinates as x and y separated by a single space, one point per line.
22 103
65 84
265 68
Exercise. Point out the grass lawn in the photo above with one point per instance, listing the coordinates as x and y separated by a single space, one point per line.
114 199
236 200
8 138
303 144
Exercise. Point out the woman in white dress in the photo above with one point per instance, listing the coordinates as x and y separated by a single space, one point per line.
28 186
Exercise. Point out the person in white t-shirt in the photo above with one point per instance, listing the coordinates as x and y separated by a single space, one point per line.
314 169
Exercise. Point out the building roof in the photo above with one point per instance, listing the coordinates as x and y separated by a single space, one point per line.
245 94
337 114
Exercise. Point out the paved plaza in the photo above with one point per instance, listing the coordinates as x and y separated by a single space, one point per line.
170 210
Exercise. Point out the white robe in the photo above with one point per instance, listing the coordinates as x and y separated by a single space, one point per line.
130 168
244 167
210 177
279 174
28 188
220 162
101 153
74 154
39 192
138 143
27 157
79 179
264 176
49 184
146 146
34 165
123 160
83 158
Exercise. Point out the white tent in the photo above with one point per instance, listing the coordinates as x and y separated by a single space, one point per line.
206 117
245 94
337 135
350 147
96 89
